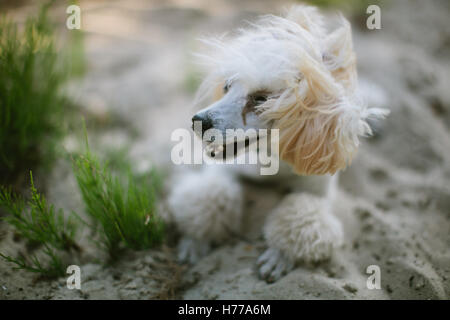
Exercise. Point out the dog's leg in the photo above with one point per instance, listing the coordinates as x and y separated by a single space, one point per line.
207 208
301 228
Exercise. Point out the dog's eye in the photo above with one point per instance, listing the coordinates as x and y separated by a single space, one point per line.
259 99
226 87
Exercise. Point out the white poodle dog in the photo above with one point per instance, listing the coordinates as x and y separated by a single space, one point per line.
286 73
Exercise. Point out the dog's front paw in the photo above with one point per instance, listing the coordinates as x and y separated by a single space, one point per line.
191 250
303 229
273 264
207 205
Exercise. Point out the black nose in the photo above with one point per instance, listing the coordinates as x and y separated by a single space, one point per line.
205 121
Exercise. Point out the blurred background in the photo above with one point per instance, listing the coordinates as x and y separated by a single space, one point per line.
130 74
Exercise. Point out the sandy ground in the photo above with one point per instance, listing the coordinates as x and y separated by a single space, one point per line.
394 200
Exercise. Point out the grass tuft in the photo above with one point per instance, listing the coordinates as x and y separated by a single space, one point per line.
122 207
32 74
41 225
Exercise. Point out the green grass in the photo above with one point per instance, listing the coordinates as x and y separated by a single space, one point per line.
121 204
32 73
122 207
41 225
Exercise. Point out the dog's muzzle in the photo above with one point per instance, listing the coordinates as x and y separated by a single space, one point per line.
204 119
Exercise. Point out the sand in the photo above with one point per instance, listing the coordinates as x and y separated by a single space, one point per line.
394 201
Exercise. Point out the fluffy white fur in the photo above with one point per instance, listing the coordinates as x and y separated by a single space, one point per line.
303 229
309 76
207 205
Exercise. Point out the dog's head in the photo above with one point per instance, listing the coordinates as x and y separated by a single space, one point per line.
288 73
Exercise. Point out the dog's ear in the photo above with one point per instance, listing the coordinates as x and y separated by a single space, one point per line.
312 148
312 138
320 119
319 122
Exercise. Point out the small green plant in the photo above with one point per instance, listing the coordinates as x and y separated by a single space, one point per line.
32 73
121 207
41 225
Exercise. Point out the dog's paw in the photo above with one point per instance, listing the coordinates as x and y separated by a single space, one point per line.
207 205
273 264
191 250
303 229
